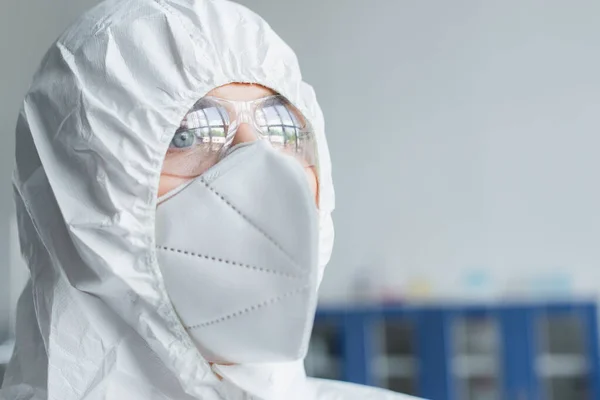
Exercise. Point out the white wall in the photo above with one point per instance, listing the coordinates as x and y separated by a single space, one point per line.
464 137
464 134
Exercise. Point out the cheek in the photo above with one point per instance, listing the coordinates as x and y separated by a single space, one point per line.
313 183
168 183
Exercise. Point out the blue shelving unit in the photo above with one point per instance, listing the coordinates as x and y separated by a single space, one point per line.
533 351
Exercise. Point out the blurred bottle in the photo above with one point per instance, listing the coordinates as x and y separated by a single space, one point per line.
419 289
478 285
365 286
551 285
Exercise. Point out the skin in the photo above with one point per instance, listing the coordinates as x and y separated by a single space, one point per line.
236 91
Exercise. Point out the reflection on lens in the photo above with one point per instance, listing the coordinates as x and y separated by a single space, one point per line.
209 121
279 120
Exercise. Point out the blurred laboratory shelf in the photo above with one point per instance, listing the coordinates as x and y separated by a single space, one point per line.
561 365
512 351
395 366
521 351
467 366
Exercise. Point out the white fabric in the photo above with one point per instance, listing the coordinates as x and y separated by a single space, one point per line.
95 321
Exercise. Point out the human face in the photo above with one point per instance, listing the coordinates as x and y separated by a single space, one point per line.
237 92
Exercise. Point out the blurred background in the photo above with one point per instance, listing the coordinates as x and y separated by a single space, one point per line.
465 150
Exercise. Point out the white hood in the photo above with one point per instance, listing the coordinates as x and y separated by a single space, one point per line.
95 321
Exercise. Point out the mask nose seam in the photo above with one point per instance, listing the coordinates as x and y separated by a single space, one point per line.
256 227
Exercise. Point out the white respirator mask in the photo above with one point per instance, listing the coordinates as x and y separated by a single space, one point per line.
238 251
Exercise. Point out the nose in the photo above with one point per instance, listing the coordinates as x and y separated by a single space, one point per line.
245 133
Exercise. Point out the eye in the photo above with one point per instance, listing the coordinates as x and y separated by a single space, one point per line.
183 140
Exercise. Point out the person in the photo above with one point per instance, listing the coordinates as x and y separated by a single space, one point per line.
174 195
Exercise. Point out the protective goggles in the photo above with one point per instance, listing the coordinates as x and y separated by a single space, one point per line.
208 131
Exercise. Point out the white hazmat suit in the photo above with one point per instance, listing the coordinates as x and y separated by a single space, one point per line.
95 321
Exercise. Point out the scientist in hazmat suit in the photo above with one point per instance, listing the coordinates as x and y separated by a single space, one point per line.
173 190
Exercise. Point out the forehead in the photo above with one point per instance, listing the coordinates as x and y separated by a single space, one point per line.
241 91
